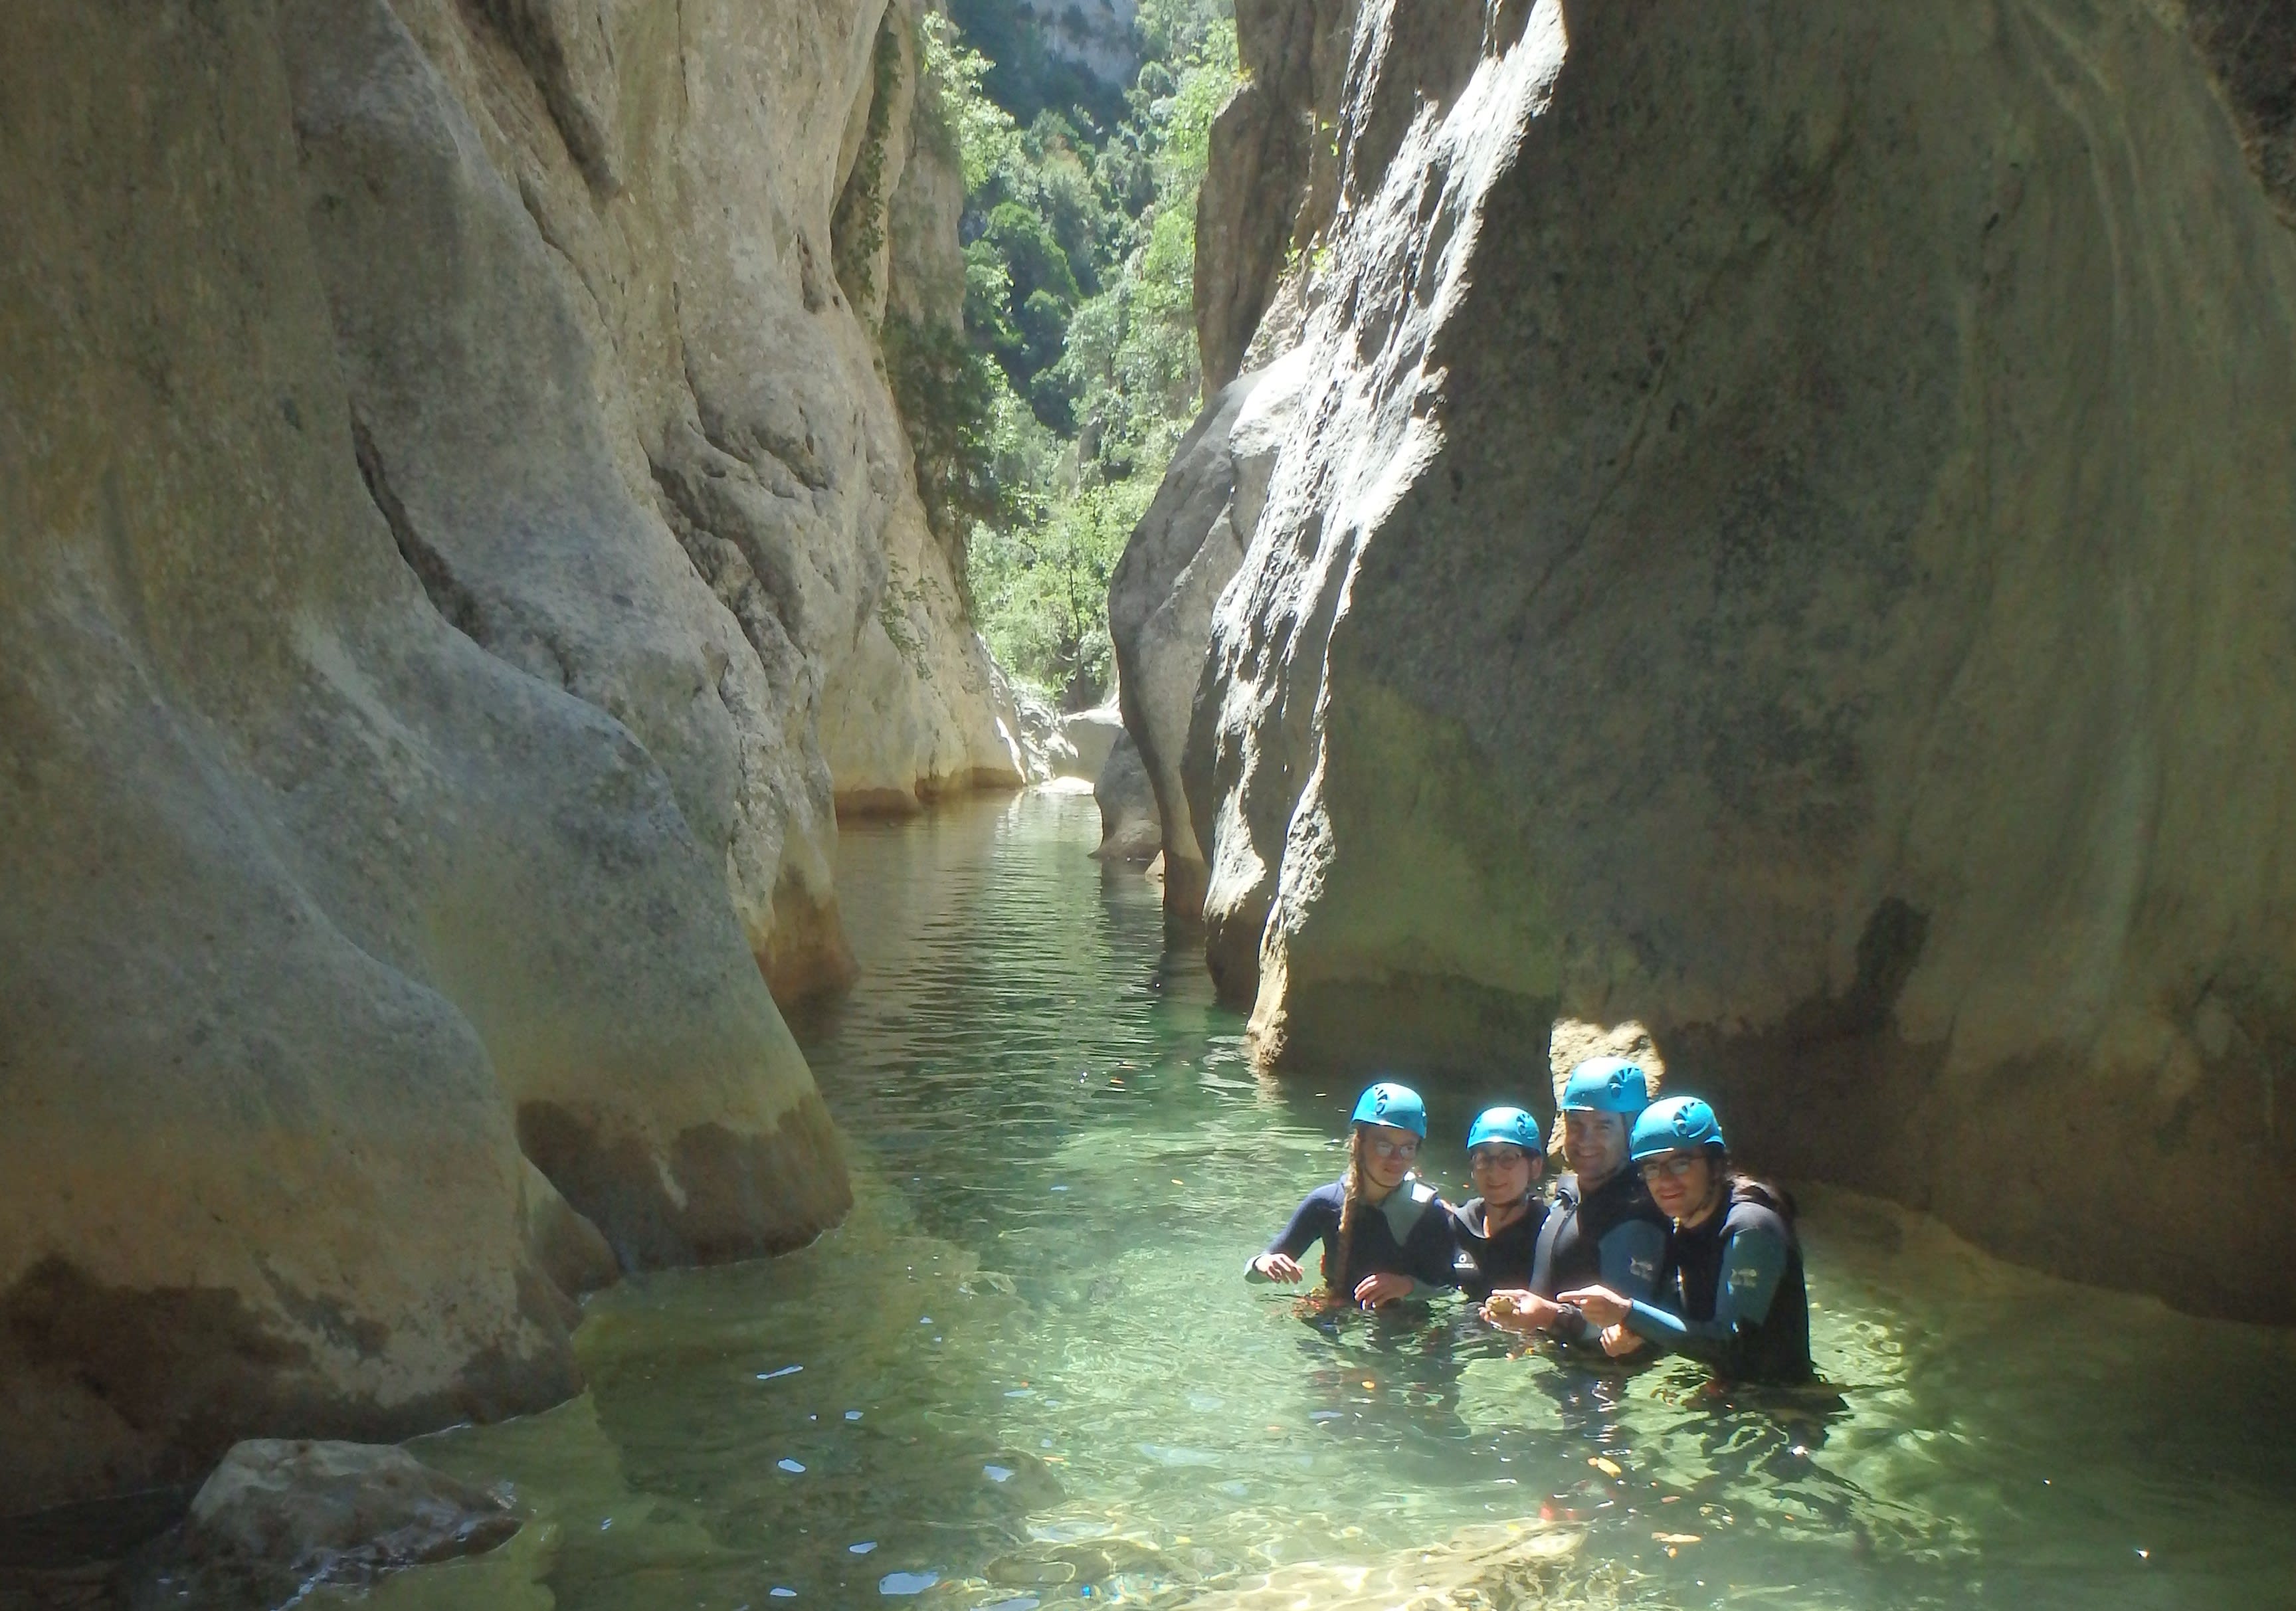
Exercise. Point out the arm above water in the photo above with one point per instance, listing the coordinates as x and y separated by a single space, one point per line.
1753 1262
1631 1253
1312 1221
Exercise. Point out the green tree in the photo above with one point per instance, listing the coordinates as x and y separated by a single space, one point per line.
1055 415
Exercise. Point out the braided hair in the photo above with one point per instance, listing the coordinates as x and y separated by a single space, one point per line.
1336 1260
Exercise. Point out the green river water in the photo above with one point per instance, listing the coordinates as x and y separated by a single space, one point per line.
1027 1371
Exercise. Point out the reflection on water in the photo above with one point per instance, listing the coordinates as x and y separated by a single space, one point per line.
1027 1370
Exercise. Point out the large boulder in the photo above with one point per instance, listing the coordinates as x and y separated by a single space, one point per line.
1787 540
1162 594
1092 735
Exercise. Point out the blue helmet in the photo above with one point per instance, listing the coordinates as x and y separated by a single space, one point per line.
1680 1124
1511 1126
1606 1085
1388 1103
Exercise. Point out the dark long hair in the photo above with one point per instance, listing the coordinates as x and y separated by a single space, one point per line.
1738 1187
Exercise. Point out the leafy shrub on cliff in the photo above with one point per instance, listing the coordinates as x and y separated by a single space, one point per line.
1042 589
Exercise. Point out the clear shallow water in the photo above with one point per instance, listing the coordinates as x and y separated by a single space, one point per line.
1026 1368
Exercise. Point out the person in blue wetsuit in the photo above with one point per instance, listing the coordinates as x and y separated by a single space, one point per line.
1496 1231
1602 1226
1732 1295
1385 1232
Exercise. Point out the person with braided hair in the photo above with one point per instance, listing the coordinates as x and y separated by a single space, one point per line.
1386 1234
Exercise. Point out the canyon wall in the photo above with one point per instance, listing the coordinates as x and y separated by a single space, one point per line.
1786 537
461 553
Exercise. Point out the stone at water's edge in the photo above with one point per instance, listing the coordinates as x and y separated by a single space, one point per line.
460 548
279 1517
1788 539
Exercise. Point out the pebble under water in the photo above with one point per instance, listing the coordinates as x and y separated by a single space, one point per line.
1027 1371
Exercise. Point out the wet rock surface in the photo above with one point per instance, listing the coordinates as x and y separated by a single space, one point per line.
281 1518
1787 542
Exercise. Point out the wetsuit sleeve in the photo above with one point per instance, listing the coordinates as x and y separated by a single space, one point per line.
1753 1262
1311 1221
1631 1255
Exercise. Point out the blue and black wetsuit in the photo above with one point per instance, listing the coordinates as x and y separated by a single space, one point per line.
1732 1296
1484 1263
1407 1234
1613 1237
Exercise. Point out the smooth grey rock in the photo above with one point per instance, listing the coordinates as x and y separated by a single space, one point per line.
280 1517
1091 734
1130 830
1272 177
1162 594
1787 541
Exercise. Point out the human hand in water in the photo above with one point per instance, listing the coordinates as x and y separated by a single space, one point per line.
1599 1305
1374 1291
1278 1267
1521 1311
1618 1342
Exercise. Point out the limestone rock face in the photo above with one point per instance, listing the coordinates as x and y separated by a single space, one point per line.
459 549
1787 541
1096 35
1272 177
1162 594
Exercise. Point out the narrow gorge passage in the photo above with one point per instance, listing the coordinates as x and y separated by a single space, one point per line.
1025 1371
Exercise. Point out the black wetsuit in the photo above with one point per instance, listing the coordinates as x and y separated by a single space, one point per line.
1485 1264
1615 1237
1733 1294
1408 1234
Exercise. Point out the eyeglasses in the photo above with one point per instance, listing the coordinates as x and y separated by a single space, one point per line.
1676 1164
1495 1158
1385 1148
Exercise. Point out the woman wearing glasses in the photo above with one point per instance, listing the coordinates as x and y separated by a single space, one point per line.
1498 1230
1732 1295
1385 1232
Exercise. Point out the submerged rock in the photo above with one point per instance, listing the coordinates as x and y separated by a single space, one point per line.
279 1518
1522 1567
1787 540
